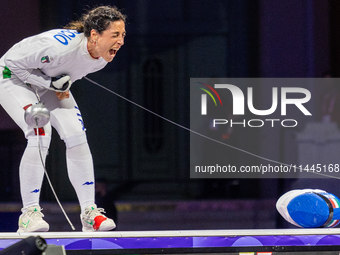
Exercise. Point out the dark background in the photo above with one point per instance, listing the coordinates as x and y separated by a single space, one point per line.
140 155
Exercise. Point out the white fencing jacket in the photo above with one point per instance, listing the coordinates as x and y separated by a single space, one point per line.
36 59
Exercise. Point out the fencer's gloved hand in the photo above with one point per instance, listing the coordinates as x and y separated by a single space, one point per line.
61 83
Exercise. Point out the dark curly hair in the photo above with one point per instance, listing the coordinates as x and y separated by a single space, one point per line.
98 19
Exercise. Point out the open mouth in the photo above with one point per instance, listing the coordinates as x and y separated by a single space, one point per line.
112 52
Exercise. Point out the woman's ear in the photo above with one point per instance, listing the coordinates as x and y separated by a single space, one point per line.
93 35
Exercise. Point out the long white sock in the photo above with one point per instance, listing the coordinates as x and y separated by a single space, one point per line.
81 174
31 174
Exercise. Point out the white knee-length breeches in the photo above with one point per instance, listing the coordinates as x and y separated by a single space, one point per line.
65 117
15 96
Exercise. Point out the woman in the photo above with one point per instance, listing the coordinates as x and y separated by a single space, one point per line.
47 64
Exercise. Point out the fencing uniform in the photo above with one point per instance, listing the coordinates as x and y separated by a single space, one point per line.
27 68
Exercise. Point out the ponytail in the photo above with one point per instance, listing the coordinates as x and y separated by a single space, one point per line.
76 25
98 19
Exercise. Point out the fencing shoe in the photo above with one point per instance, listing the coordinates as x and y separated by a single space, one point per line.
31 220
93 219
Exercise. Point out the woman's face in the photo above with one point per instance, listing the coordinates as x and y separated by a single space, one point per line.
107 43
